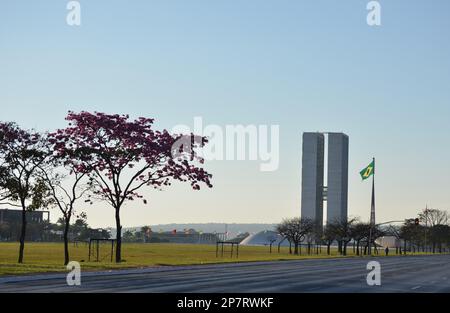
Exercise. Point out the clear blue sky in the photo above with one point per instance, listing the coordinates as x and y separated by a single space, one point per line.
305 65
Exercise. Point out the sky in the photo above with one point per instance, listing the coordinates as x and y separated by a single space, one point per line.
303 65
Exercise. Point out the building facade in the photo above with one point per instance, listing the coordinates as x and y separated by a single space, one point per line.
315 191
11 223
15 216
313 175
337 178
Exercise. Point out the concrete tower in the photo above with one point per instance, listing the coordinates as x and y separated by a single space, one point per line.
314 192
312 175
337 191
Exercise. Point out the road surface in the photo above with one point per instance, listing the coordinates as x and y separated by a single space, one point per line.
398 274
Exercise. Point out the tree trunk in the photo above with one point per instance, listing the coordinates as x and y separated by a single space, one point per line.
66 240
22 233
328 248
296 248
357 248
118 237
345 248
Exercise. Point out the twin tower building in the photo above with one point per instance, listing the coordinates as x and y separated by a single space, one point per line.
317 188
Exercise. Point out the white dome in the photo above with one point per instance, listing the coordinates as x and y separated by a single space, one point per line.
264 238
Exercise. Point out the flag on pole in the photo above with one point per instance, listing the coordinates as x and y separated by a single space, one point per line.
368 171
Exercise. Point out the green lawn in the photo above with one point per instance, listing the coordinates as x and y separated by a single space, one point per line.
48 257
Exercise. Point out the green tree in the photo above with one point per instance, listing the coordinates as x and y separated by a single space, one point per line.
295 230
360 233
22 152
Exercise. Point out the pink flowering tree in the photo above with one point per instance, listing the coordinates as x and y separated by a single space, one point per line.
122 156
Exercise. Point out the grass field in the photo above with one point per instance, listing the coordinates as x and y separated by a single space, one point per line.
48 257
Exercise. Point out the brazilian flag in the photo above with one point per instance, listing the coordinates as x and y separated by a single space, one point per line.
368 171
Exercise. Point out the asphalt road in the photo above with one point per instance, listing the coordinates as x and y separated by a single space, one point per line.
398 274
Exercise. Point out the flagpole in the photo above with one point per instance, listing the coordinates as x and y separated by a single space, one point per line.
372 209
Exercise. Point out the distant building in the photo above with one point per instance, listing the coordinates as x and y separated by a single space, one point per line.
15 216
265 238
314 189
312 175
189 236
337 180
11 221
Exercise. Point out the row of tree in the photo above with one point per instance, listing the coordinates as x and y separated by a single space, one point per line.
97 157
142 235
430 231
298 231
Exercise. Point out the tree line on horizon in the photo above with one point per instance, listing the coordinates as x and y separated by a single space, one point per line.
46 231
97 157
428 232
